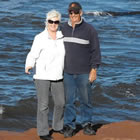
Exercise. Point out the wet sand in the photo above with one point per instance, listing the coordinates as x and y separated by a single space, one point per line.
125 130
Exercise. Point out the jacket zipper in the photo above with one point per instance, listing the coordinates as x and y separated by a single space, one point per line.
73 29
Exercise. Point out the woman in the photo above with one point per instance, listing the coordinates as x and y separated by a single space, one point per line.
47 57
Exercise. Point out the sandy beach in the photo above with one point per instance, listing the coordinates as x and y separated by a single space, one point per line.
125 130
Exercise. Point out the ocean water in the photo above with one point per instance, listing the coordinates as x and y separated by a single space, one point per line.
116 92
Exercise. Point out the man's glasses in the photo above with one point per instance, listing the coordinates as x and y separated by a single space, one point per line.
73 12
55 22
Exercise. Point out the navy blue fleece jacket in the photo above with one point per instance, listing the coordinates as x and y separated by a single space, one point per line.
82 48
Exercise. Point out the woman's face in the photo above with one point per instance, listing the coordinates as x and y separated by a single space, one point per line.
53 24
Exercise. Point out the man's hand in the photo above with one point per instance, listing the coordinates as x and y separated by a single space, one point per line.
92 75
28 69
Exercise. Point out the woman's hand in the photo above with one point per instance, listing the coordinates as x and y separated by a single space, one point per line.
28 69
92 75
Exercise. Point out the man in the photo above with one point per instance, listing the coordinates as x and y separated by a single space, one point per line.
81 62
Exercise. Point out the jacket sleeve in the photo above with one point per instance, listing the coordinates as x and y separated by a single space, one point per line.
34 53
95 49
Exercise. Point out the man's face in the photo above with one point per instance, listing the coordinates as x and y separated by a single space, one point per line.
75 16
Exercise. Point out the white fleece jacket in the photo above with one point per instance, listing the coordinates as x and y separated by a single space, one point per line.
47 56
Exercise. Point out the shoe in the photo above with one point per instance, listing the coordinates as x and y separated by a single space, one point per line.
88 130
47 137
68 132
59 131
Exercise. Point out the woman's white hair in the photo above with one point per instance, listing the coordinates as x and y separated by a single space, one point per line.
53 13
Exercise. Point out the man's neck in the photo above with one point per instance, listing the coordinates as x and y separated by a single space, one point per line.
73 24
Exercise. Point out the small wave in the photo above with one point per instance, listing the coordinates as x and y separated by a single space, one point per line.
1 109
111 13
97 13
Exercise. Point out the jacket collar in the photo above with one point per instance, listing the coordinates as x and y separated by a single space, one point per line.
69 22
59 34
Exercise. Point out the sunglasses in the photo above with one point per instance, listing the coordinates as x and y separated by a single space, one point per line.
74 12
55 22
